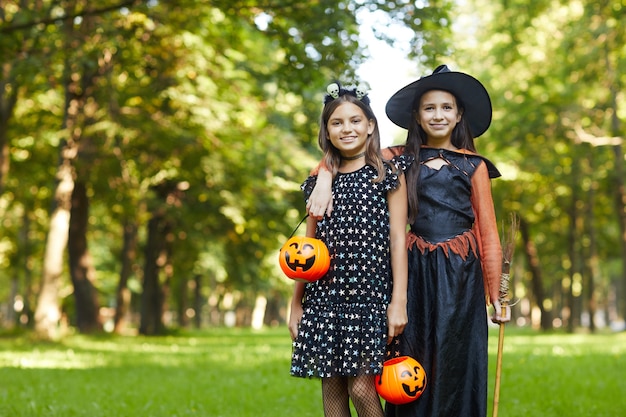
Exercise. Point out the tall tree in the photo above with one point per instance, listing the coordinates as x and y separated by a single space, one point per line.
81 69
82 270
546 109
221 95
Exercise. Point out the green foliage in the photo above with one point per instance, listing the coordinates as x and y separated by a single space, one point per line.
553 70
220 97
223 98
244 373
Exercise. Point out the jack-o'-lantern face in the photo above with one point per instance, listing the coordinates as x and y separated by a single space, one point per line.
413 381
403 380
300 255
304 258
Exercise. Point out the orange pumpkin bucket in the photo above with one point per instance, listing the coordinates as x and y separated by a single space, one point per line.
403 380
304 258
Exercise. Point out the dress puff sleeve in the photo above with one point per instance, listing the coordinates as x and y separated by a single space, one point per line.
402 162
307 186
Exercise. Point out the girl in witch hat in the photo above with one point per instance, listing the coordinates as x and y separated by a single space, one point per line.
455 257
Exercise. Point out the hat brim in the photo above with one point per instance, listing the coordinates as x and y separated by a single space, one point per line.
472 94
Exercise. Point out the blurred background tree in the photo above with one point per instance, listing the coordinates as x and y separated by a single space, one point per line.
555 72
152 151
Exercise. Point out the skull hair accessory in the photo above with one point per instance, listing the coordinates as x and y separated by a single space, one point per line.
335 90
360 91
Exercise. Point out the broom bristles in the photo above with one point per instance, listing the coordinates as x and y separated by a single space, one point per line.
509 239
508 247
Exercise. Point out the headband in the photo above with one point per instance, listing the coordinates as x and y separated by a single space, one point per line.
335 90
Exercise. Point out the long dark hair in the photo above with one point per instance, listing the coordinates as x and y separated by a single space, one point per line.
332 156
416 138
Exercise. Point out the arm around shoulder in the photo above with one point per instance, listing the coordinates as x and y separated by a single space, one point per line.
320 201
390 152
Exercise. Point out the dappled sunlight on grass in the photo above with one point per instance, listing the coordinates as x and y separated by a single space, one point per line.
65 359
238 372
564 344
81 352
214 373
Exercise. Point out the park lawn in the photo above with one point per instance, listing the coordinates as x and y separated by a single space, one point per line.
241 373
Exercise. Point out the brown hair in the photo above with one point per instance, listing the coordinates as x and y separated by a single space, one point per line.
332 157
416 138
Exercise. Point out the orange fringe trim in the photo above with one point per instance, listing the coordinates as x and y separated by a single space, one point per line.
460 245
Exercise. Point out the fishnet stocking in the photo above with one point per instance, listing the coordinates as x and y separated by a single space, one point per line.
335 397
363 393
337 391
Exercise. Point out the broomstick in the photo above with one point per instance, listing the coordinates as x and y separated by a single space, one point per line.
508 247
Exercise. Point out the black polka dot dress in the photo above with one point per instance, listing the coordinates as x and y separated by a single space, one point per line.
343 328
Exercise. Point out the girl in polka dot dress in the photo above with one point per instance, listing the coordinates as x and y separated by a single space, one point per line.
341 324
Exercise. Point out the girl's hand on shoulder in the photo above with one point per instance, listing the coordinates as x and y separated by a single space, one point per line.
319 203
294 320
396 319
321 198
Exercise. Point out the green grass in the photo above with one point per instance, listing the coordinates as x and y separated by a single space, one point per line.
239 373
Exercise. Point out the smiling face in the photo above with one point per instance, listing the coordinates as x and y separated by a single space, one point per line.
438 114
403 380
300 255
304 258
348 128
413 381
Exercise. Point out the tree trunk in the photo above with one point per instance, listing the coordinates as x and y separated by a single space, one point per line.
10 320
157 257
258 312
19 313
275 303
152 295
8 99
123 295
168 272
197 300
82 270
26 315
48 310
183 301
619 173
592 264
537 281
620 201
574 253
